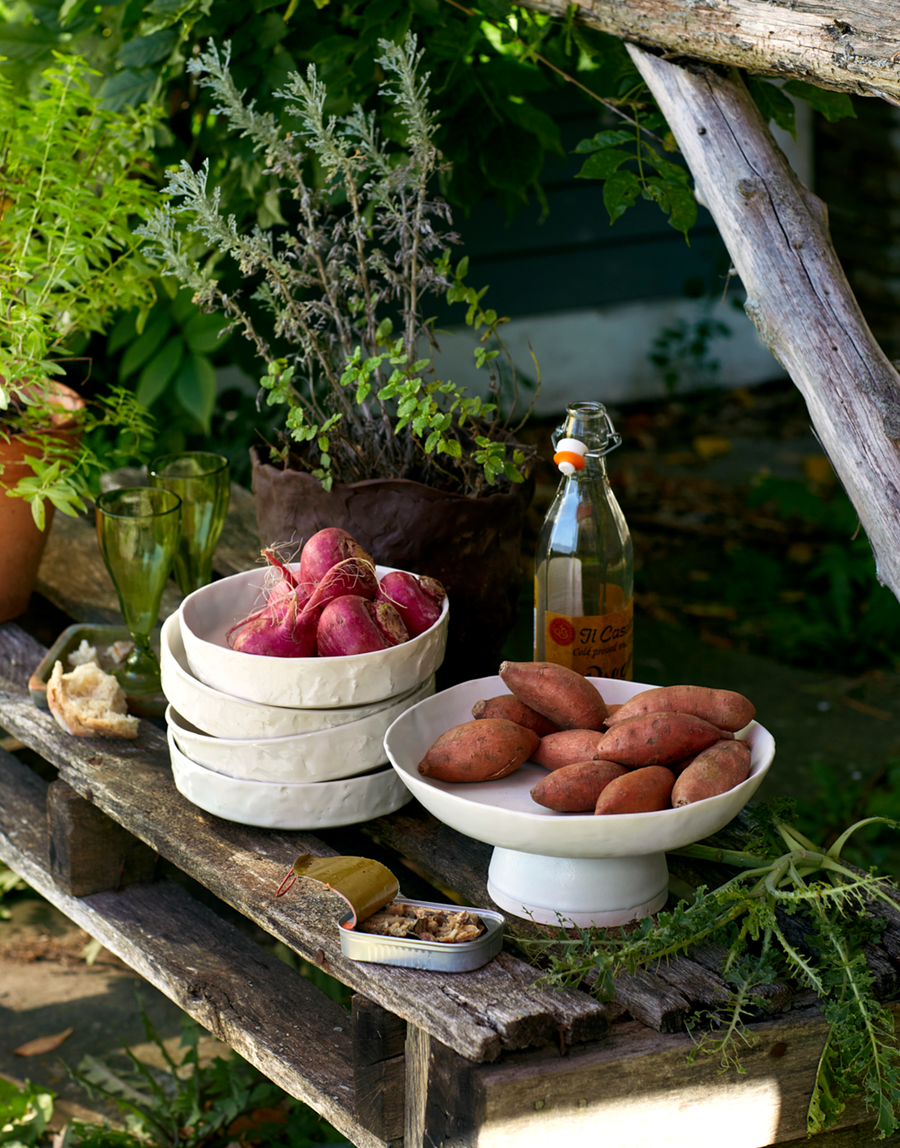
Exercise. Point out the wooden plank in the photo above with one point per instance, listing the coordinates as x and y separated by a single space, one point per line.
379 1068
270 1014
89 852
639 1090
418 1045
661 999
479 1014
852 48
861 1136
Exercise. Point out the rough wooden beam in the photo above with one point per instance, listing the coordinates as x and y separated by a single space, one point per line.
89 852
852 47
776 231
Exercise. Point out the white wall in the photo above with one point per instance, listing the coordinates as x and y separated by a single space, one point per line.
602 355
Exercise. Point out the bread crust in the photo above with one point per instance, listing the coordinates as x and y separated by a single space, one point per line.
88 702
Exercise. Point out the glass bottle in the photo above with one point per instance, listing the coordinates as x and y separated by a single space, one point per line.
584 564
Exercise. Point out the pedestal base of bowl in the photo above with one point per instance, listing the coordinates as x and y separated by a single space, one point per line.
583 891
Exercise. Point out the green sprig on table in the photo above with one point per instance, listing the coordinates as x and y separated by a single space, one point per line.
782 875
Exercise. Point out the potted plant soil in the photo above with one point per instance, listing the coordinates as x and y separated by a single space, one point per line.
424 476
73 178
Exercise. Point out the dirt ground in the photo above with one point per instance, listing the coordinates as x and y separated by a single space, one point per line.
48 989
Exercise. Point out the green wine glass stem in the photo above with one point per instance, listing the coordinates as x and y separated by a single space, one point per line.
138 530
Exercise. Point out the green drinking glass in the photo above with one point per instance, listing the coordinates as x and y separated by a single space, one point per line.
203 483
138 530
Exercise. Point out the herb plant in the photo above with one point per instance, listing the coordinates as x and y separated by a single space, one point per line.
189 1104
349 353
186 1104
24 1113
72 178
794 910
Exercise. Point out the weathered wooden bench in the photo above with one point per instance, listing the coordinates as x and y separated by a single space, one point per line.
487 1058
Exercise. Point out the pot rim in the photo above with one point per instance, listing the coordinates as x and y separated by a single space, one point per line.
513 490
71 403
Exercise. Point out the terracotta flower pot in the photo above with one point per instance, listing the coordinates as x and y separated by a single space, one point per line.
471 545
23 544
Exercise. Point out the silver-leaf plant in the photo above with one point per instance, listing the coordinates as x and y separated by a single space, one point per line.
350 351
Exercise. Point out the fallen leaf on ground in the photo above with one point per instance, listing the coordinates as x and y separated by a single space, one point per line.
710 446
42 1044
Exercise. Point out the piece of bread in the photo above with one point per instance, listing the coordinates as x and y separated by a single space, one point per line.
89 703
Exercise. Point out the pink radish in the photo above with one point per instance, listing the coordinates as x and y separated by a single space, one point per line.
417 600
288 636
279 629
326 548
354 625
352 576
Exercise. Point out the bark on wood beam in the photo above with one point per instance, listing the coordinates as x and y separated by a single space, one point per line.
797 295
852 47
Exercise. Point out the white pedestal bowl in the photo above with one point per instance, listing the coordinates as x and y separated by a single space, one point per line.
549 866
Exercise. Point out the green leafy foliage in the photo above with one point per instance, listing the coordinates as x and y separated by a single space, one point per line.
170 362
786 886
24 1114
825 600
493 66
72 183
630 167
681 353
10 882
187 1104
362 254
114 430
73 180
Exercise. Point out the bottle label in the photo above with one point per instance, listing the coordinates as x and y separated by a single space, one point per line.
599 647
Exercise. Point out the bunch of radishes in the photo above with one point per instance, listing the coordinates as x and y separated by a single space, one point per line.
334 604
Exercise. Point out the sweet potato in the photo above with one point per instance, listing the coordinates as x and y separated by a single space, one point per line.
566 747
575 788
508 706
557 692
716 770
658 738
637 791
723 708
479 751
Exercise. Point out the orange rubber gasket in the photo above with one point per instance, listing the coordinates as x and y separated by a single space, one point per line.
569 456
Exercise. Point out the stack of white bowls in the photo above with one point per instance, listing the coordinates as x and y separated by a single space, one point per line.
285 743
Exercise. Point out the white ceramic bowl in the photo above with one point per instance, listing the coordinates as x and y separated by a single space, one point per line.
222 715
266 805
503 814
321 755
303 683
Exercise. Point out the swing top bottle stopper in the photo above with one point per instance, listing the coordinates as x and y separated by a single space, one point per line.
569 455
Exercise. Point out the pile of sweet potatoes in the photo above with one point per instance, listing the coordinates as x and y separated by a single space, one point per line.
664 748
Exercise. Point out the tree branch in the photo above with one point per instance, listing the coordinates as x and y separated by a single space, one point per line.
797 294
850 47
